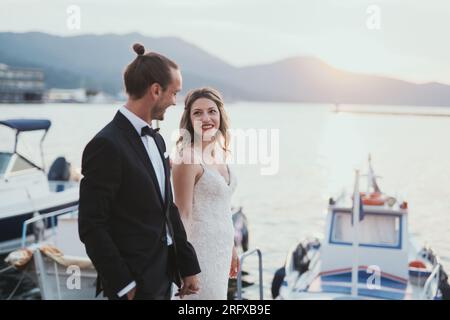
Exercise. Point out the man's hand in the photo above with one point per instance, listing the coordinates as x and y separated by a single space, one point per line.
131 293
190 286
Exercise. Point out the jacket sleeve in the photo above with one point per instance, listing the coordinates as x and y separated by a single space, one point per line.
186 256
101 168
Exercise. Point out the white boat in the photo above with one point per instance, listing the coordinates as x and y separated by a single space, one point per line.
383 263
58 264
26 189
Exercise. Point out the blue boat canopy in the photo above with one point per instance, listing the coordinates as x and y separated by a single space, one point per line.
27 124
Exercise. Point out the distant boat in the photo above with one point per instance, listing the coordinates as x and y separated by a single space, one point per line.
55 95
384 264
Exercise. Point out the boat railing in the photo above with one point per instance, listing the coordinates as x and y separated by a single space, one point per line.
62 185
431 286
239 276
52 215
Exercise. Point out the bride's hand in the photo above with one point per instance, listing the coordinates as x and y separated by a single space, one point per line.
235 264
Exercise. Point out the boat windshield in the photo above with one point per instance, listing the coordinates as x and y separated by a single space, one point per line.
20 163
5 158
377 230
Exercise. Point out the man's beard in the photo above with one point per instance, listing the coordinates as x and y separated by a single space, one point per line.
158 113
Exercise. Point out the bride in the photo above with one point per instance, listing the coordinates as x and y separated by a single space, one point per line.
203 186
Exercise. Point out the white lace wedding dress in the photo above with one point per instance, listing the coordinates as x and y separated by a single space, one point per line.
211 232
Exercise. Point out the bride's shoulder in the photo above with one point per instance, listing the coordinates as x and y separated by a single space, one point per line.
185 156
185 162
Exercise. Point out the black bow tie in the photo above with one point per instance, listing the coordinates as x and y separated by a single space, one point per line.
147 131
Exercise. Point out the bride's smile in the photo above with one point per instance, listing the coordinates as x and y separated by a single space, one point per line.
206 127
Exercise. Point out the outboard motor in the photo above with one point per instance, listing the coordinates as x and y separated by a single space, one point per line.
277 282
59 171
241 230
300 259
301 264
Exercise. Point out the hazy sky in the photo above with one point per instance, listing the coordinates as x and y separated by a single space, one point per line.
412 42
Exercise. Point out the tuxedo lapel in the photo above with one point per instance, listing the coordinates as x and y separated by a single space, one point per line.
135 141
160 144
168 195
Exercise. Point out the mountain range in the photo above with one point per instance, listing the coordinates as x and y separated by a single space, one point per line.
97 62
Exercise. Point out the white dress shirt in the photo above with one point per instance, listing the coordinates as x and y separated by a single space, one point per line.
158 165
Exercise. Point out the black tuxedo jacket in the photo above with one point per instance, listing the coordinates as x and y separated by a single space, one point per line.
122 215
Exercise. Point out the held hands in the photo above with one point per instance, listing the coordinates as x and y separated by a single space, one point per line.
190 286
235 264
131 294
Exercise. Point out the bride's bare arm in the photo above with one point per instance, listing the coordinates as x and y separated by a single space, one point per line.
184 176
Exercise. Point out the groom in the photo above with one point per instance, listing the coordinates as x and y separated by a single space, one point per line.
127 219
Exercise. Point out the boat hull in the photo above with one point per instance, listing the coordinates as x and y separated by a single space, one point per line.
11 227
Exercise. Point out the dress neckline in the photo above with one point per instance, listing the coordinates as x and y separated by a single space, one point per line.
228 183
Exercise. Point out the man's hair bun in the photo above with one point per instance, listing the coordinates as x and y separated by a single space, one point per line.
139 49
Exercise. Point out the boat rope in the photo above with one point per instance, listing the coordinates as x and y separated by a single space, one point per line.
6 269
17 287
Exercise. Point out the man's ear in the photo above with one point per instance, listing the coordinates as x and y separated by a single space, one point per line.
155 90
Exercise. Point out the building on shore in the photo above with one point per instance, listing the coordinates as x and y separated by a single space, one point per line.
21 85
80 95
56 95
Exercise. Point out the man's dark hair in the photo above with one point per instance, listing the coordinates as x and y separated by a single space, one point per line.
147 69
